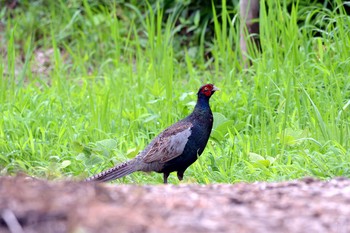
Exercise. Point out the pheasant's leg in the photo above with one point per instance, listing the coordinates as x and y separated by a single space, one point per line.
165 177
180 175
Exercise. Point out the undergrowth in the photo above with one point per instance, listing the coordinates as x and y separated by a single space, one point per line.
85 86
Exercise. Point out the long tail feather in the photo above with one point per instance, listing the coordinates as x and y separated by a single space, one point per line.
116 172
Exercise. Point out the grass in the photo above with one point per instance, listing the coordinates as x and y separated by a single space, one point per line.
110 78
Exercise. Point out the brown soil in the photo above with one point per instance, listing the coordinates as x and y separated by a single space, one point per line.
29 205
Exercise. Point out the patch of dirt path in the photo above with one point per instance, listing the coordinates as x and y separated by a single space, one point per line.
29 205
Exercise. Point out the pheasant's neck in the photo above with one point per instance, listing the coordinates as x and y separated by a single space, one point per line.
202 106
202 102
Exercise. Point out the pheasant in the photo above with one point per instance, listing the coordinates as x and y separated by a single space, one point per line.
174 149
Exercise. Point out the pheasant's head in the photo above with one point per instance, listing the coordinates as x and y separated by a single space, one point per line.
207 90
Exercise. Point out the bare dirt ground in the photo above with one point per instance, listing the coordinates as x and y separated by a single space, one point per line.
308 205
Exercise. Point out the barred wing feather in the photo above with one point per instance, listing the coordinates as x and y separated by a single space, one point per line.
170 144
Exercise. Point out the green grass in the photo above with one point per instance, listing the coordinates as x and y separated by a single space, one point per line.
114 77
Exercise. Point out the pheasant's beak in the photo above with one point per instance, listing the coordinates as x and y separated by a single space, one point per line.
215 88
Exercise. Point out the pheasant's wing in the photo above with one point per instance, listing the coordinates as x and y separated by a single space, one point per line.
169 144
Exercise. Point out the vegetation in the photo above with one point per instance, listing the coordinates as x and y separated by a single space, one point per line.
84 86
